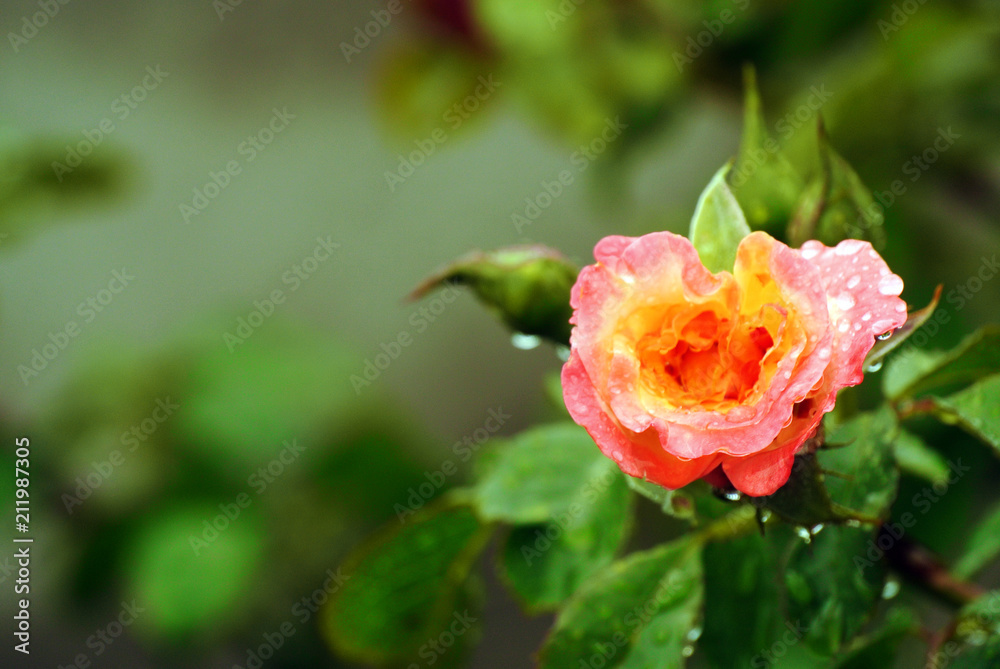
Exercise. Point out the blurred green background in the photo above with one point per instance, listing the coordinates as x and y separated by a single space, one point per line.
324 176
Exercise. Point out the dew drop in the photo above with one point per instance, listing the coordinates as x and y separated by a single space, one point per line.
809 253
885 327
687 651
616 456
562 352
901 307
627 278
845 301
890 285
848 247
853 281
765 515
733 495
867 316
739 414
890 589
787 374
804 534
694 634
816 529
824 353
525 342
874 367
852 523
843 326
857 327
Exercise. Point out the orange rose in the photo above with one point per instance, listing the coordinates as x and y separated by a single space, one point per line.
676 372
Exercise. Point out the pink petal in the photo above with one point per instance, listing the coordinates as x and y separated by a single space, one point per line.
638 455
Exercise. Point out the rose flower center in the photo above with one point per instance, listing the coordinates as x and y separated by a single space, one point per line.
701 357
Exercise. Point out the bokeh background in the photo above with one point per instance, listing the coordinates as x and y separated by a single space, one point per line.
893 80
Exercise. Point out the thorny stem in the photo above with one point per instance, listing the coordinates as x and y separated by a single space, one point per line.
915 407
919 565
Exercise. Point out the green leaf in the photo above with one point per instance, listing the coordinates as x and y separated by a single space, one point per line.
980 616
862 474
676 503
828 593
982 547
765 183
405 586
418 84
879 648
718 225
637 613
977 409
187 583
917 458
835 204
919 372
282 383
976 640
913 322
742 584
545 564
527 287
972 656
31 190
804 499
543 474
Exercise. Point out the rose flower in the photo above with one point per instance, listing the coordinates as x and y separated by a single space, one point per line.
678 373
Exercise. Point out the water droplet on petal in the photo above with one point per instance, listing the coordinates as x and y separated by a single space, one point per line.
857 327
739 414
824 353
525 342
845 301
867 316
853 281
890 285
890 589
843 326
809 253
733 495
885 327
616 456
627 278
901 307
787 374
848 247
